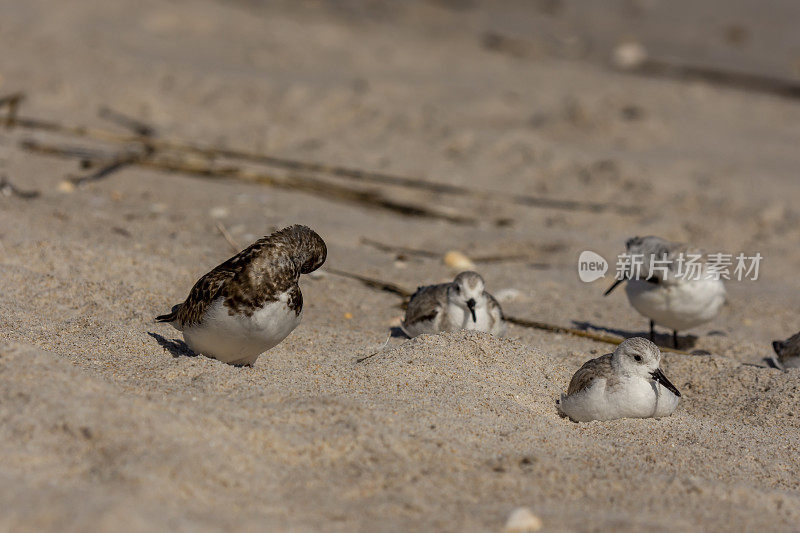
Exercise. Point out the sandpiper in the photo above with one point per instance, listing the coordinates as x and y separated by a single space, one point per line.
666 295
460 304
252 301
625 384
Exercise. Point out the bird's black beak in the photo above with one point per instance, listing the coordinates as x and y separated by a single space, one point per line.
471 306
614 286
659 376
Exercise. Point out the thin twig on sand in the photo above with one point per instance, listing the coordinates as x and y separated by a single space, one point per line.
391 248
336 171
228 237
136 125
668 68
121 161
9 189
372 283
373 199
610 339
373 354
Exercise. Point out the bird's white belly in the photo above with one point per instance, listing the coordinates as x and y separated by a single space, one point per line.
484 319
460 318
679 305
457 318
632 398
239 339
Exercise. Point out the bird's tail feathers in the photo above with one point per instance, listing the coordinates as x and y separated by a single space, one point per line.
172 316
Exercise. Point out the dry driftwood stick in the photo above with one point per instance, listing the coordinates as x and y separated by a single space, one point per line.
228 237
67 152
121 161
9 189
330 191
134 124
332 170
390 248
307 184
89 157
609 339
372 283
667 68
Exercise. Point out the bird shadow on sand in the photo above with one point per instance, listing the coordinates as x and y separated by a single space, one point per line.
176 347
685 342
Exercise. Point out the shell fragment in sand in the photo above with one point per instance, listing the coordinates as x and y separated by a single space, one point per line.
521 520
458 261
629 56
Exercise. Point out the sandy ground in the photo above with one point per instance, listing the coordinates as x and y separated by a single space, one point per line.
104 425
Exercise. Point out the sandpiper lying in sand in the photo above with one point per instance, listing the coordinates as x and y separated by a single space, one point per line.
666 295
252 301
460 304
625 384
788 352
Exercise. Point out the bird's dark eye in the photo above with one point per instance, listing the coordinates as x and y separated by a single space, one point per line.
458 289
637 358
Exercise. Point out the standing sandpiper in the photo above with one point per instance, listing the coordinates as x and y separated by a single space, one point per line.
664 295
252 301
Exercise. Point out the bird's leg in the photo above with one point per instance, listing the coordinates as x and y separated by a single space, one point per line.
652 331
674 338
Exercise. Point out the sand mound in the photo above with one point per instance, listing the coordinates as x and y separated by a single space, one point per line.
415 433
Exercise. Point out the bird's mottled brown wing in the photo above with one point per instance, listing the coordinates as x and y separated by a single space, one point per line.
426 303
273 267
206 290
211 286
585 375
258 274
